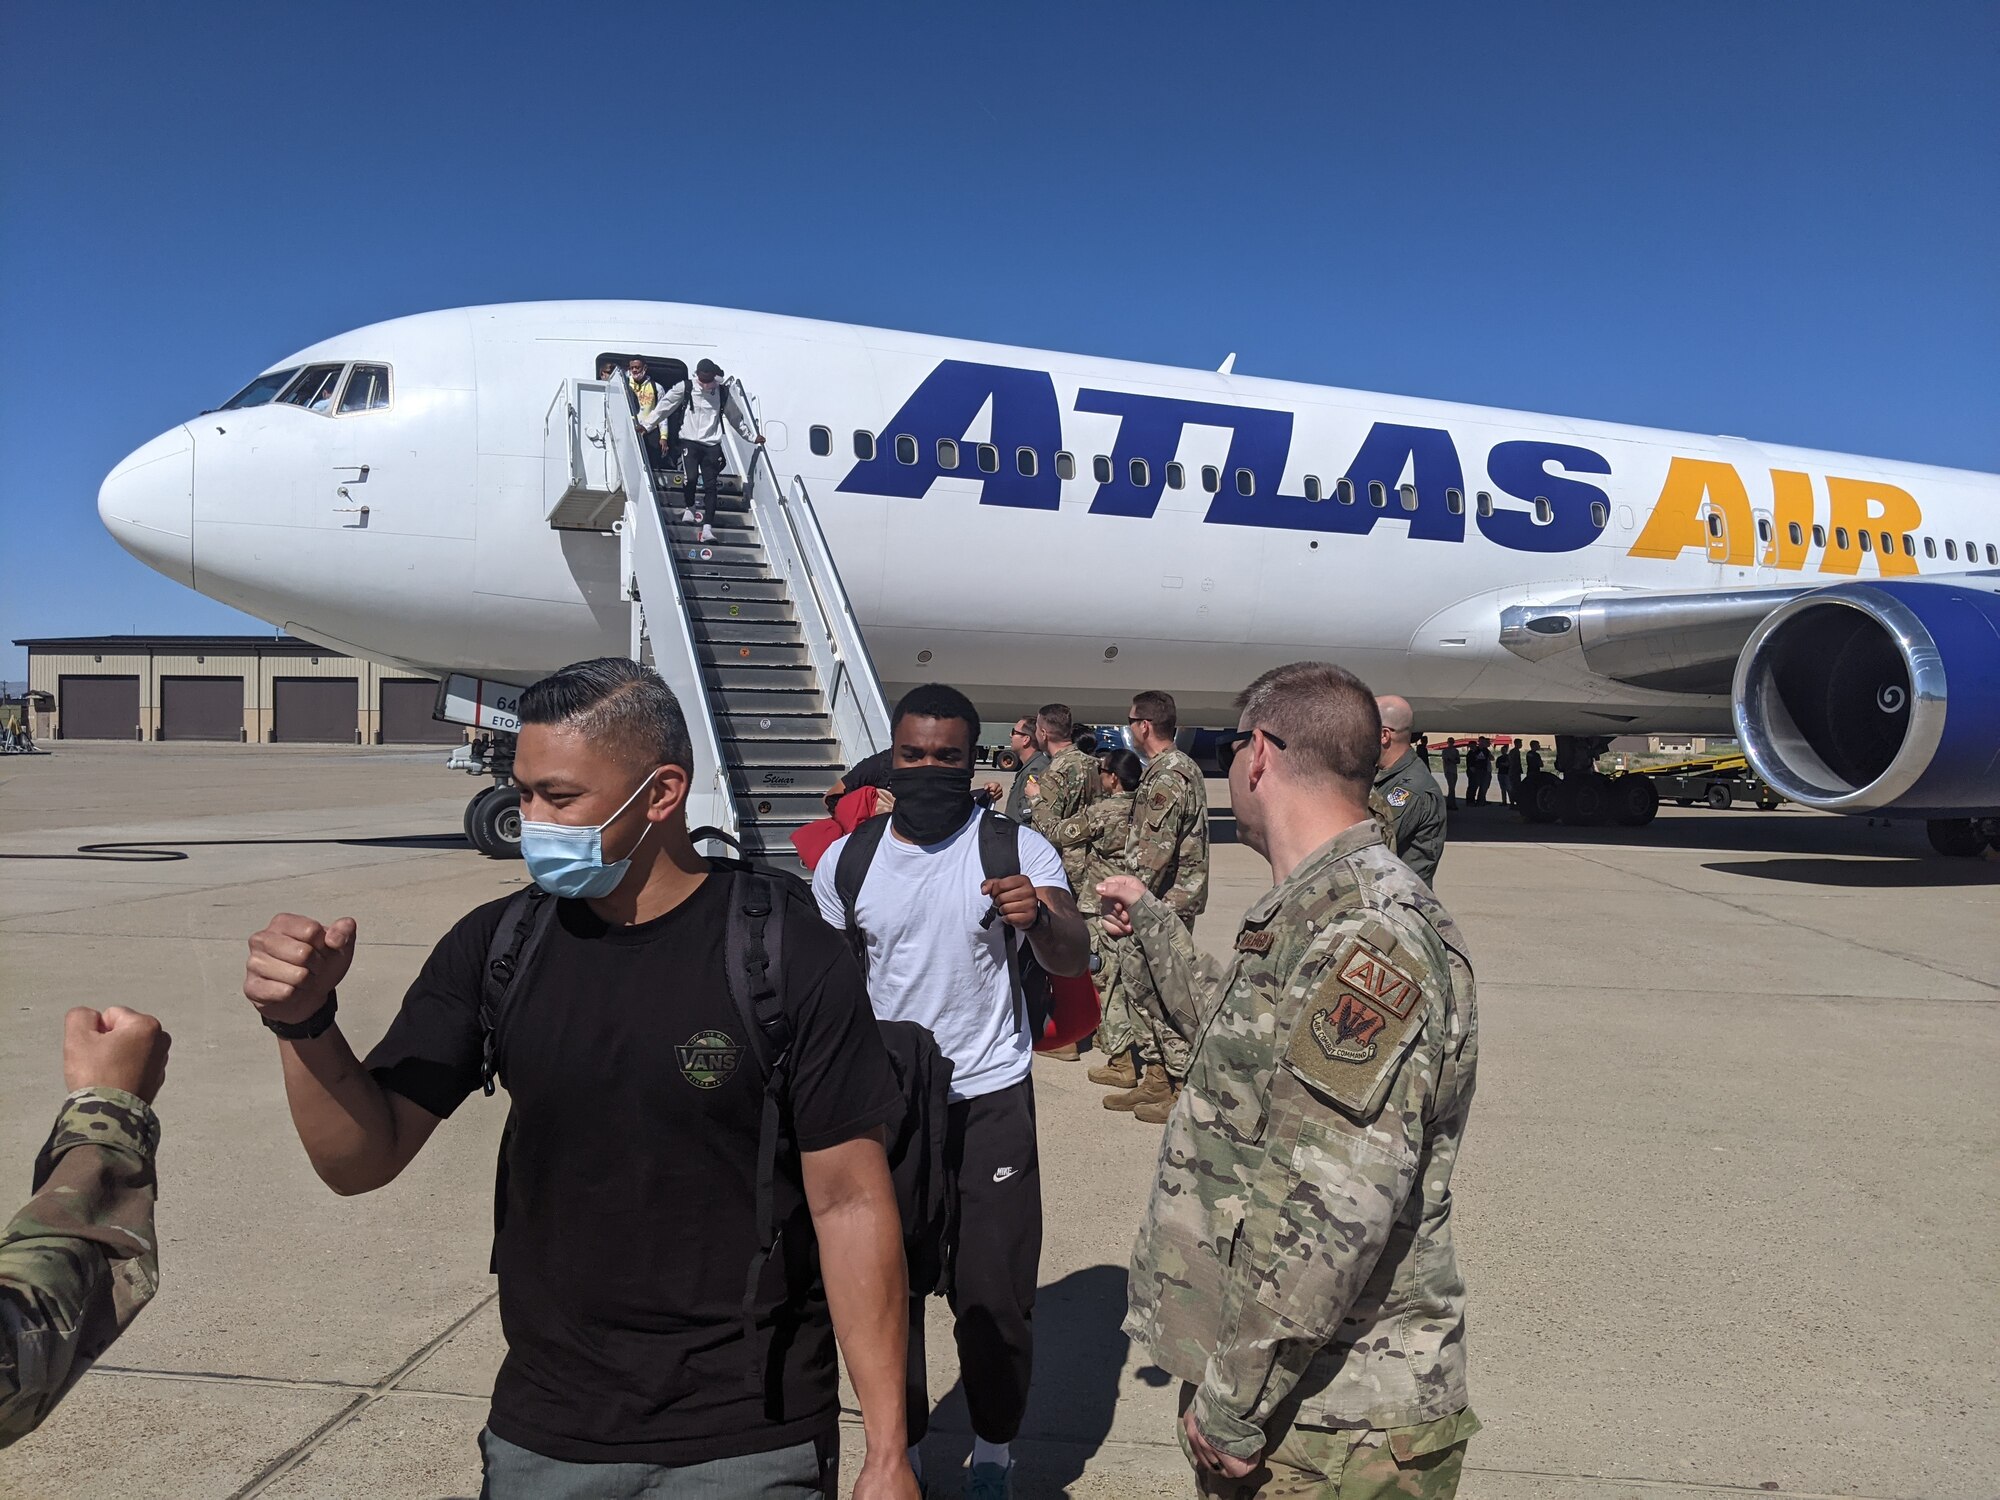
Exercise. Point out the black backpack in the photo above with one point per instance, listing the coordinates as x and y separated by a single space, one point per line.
753 947
999 856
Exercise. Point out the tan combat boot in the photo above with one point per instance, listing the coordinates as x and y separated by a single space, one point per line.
1153 1084
1120 1073
1065 1053
1155 1111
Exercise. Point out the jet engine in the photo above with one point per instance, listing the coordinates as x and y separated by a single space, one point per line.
1878 697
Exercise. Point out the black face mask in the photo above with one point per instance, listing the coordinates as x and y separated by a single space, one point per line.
932 802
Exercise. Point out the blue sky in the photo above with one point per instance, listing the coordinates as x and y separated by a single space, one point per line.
1767 219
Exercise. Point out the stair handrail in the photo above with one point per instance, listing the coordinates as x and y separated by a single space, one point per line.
799 548
647 560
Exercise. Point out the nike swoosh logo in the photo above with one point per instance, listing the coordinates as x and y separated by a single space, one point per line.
1001 1174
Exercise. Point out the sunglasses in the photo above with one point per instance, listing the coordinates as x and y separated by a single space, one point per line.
1229 744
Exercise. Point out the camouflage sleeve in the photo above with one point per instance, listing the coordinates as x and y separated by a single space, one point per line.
1420 835
80 1260
1341 1164
1058 802
1189 894
1187 981
1073 832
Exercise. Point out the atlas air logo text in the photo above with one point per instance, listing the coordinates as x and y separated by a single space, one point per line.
1538 496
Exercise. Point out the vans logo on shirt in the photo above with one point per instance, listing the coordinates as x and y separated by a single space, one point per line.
708 1059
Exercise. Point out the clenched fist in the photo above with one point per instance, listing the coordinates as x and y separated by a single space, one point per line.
295 963
120 1049
1115 899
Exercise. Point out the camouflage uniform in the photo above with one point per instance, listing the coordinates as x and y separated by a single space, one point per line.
80 1260
1296 1266
1092 844
1169 853
1067 787
1418 807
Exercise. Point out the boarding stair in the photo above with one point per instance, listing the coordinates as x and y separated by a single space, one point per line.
740 610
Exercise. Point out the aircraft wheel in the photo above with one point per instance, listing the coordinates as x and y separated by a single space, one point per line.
1959 837
1005 759
1683 802
1718 796
1770 801
1636 799
496 823
1585 800
1541 798
471 808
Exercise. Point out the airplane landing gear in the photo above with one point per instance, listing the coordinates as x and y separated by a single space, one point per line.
1963 837
493 822
1582 796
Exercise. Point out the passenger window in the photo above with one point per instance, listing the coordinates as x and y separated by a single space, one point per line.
314 388
261 391
1485 503
822 441
1909 545
1715 523
1992 554
1065 466
1600 515
1246 482
947 453
1454 501
906 448
1100 468
1312 488
367 389
1344 492
988 457
864 445
1867 543
1138 472
1176 477
1840 537
1544 512
1888 545
1796 532
1378 494
1211 478
1950 550
1026 462
1930 546
1819 535
1409 494
1763 529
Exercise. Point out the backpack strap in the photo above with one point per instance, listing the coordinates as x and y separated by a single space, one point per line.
753 950
999 857
516 943
848 874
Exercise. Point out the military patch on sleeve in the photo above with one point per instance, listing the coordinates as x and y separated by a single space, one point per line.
1255 941
1398 796
1358 1024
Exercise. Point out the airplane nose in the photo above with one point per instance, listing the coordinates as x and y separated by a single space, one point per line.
147 503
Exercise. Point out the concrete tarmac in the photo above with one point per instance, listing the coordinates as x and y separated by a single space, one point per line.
1728 1207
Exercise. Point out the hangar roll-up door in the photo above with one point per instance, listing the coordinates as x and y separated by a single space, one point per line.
201 708
97 708
406 714
315 708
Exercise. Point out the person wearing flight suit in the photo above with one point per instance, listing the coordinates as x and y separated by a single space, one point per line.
1169 852
1092 844
1069 781
1410 791
1295 1267
81 1259
1028 774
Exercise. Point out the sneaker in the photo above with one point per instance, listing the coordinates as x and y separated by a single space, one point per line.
990 1482
707 533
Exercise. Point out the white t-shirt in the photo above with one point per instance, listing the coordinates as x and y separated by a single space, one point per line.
929 961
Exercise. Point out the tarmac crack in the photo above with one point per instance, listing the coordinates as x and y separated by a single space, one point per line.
365 1397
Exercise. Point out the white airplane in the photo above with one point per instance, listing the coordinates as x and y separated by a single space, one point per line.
444 492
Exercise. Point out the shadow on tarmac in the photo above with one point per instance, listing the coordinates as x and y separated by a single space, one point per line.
1079 1355
166 851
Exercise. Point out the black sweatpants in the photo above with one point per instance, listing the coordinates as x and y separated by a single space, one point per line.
990 1145
702 464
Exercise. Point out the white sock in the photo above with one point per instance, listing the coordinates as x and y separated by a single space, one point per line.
917 1460
984 1452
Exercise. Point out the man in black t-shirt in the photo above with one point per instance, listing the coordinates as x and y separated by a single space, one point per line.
627 1193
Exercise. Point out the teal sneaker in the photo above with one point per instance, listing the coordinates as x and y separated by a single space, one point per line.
990 1482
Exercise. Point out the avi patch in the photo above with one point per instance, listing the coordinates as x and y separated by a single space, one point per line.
1359 1023
708 1059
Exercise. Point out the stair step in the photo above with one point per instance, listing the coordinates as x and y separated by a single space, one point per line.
732 672
749 655
758 802
734 632
729 496
693 552
774 725
753 756
729 533
764 698
776 611
698 585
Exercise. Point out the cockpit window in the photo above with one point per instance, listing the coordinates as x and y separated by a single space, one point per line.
262 390
367 389
314 388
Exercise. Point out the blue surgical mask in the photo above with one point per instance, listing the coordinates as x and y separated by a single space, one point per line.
568 859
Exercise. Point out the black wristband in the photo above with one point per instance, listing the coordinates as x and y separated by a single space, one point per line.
311 1026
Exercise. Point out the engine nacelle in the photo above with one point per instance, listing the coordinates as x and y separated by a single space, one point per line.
1870 697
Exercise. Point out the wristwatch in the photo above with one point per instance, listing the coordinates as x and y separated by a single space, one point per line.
311 1026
